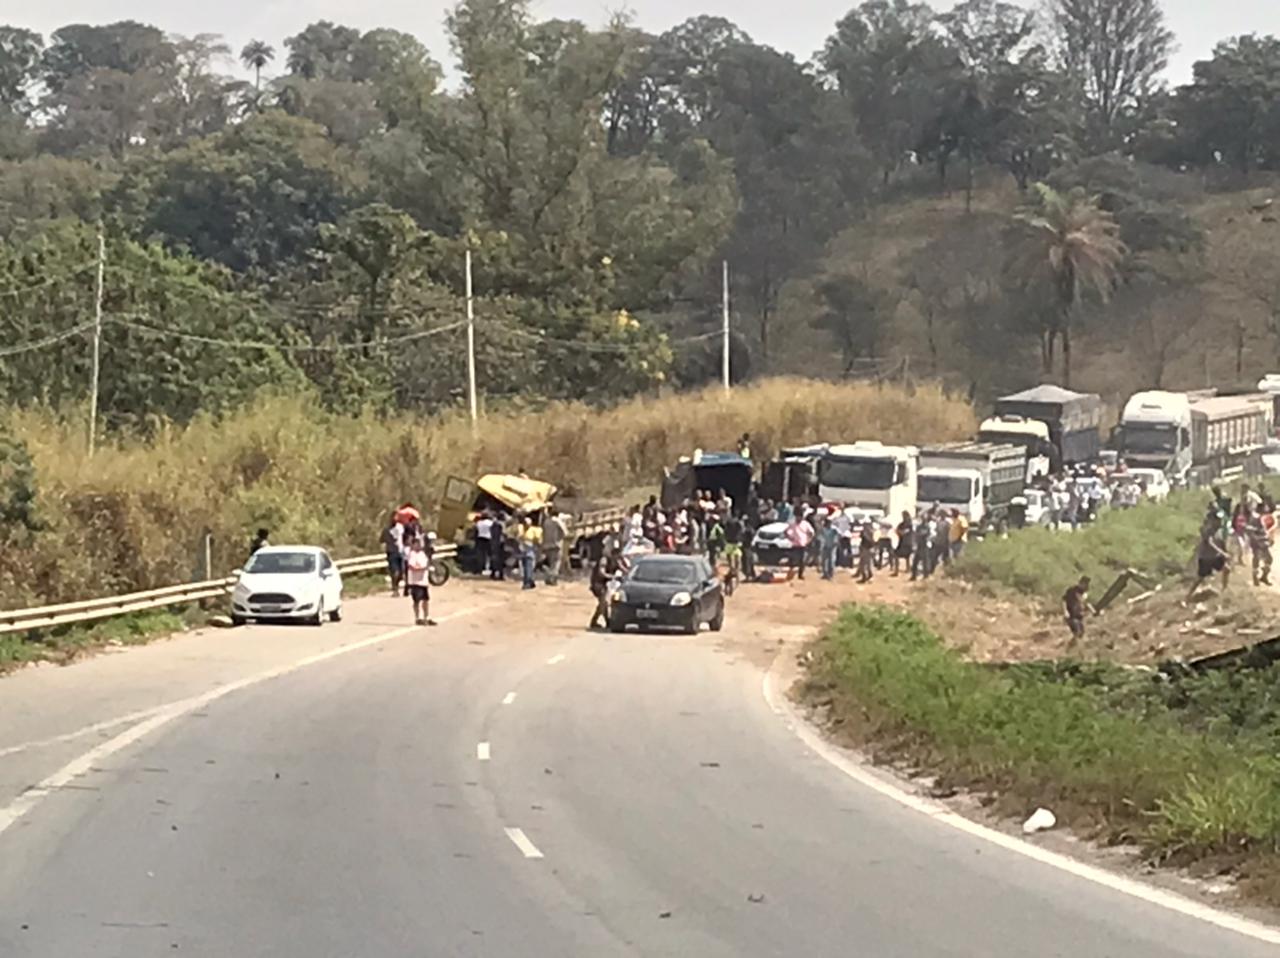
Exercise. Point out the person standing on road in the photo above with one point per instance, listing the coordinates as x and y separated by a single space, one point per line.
799 535
553 536
829 544
1075 602
417 570
959 533
922 559
530 545
942 539
484 541
866 552
906 545
393 543
497 547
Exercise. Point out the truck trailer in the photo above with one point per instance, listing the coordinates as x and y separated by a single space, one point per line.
1228 435
1072 418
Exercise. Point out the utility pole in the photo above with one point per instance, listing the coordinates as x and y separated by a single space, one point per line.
97 343
471 348
724 358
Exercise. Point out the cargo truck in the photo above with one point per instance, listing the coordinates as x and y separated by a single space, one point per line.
1072 419
1031 434
1155 433
980 479
793 474
1228 436
870 476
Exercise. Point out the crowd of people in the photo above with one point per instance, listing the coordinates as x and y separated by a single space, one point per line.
1235 532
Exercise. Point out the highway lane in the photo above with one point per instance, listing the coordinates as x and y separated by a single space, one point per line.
349 809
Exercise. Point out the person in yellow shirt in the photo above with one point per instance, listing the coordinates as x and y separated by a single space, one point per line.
959 533
530 549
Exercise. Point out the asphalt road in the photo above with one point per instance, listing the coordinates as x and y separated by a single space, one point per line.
491 788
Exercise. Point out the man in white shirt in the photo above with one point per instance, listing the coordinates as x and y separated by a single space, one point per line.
484 540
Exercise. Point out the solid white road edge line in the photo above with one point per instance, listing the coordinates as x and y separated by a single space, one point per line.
521 841
482 751
781 705
555 660
81 732
24 803
508 698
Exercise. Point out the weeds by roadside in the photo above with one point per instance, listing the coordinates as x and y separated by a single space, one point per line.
1109 750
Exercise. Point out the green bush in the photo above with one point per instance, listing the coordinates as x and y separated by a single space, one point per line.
1157 539
1048 738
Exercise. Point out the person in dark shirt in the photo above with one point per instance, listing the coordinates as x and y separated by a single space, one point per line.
906 543
602 571
259 541
1075 604
497 547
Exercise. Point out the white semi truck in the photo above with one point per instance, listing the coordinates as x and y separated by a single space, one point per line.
1031 434
1196 437
870 476
980 479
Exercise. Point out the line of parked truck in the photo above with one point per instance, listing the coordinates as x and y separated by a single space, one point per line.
1193 438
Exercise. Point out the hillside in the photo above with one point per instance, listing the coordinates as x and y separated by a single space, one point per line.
1182 319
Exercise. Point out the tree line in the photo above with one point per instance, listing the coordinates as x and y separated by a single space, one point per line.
306 228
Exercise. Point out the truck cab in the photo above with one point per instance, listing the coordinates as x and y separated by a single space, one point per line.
979 479
1155 433
953 488
870 476
1031 434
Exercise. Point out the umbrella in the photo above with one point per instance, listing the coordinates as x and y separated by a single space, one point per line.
407 513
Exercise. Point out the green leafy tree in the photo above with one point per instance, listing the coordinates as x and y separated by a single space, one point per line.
20 52
1064 248
323 50
1116 51
1232 108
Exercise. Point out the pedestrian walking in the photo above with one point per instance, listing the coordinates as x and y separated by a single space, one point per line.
602 571
417 573
1211 556
1260 548
1075 602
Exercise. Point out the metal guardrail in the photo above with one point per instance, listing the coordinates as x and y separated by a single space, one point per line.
91 610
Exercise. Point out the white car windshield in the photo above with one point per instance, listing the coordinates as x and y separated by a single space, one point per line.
281 563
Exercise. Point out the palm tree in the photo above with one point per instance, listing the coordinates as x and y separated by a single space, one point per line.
257 54
1069 247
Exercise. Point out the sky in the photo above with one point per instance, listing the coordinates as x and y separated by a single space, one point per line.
799 26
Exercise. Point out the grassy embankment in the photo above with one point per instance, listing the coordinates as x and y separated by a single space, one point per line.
134 516
1184 765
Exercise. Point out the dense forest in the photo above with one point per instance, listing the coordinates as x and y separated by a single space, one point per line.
306 228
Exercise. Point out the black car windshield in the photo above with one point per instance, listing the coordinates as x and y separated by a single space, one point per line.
665 572
282 563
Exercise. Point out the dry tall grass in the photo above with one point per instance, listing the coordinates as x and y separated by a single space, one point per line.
134 516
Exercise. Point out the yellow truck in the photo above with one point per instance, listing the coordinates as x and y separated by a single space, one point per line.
465 499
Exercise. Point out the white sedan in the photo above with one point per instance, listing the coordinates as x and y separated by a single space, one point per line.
288 582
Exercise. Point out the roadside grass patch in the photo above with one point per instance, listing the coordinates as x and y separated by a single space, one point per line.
65 644
1154 538
1111 751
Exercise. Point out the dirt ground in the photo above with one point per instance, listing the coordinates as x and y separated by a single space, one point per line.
988 626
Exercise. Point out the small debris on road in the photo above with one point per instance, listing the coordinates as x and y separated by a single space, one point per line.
755 898
1041 820
709 764
664 914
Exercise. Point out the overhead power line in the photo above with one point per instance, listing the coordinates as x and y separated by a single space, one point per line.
602 347
131 322
48 341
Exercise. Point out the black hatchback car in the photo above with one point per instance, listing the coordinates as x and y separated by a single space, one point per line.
669 591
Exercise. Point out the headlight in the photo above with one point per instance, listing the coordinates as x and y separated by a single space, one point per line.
241 591
681 598
619 595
